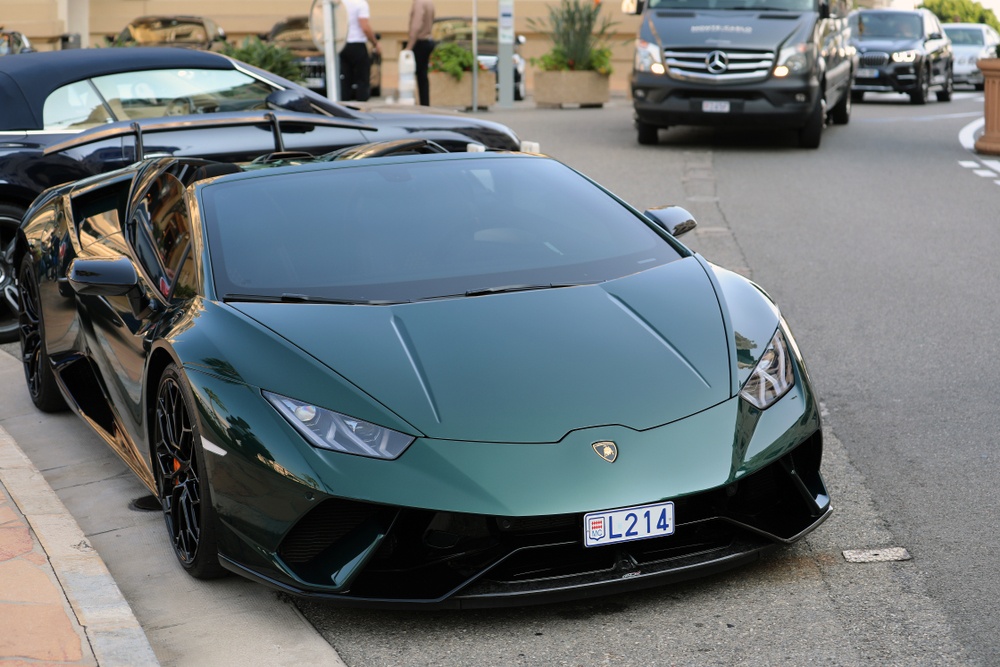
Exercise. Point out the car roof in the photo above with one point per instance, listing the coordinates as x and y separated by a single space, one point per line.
27 80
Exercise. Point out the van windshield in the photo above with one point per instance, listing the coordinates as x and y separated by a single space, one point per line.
748 5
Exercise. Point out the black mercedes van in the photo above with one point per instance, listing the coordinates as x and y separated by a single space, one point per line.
774 63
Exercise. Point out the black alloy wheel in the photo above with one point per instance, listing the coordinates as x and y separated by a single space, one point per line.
38 373
811 133
923 91
840 114
10 220
944 95
181 483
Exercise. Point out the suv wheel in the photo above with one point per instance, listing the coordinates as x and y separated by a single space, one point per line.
920 95
841 112
944 95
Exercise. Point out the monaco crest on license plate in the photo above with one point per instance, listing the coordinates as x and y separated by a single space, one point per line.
630 523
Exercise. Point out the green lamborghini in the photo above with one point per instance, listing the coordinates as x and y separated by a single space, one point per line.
399 377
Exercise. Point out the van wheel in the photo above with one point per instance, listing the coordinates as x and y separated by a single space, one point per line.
648 135
811 133
857 96
841 112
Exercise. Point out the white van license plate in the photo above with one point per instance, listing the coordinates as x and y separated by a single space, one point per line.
626 525
715 106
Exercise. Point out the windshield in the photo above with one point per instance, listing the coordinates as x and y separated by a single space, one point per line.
891 25
965 36
151 94
405 231
750 5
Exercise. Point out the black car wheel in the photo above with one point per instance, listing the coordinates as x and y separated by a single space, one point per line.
841 112
857 96
923 91
646 134
944 95
811 133
10 220
38 373
181 482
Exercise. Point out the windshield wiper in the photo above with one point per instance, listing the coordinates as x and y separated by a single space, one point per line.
289 297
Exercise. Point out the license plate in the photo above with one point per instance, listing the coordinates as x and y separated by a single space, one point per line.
626 525
866 73
314 82
715 106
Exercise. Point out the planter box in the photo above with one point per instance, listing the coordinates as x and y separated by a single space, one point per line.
989 142
446 92
586 88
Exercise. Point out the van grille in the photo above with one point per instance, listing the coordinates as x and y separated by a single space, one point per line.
718 66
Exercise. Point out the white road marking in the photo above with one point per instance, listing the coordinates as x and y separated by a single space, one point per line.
969 164
983 168
985 173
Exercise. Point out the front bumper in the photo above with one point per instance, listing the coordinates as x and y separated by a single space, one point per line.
891 78
661 101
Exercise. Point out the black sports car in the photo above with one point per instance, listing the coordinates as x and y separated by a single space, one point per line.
481 379
901 51
66 115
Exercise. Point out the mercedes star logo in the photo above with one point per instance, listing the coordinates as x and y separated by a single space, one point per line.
607 450
717 62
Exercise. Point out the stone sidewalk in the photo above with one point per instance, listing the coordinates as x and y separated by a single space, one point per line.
58 603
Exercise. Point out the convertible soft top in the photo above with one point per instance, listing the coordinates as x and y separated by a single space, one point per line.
28 78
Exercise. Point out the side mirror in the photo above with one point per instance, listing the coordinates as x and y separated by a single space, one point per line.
674 219
289 100
110 277
633 7
824 9
935 35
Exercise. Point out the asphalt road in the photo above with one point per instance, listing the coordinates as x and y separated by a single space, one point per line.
877 246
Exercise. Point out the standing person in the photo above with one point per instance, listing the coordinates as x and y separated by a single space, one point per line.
420 42
355 63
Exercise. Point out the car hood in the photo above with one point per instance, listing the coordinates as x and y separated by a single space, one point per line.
885 44
522 367
728 29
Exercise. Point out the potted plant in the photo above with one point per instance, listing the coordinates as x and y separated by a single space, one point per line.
578 68
447 71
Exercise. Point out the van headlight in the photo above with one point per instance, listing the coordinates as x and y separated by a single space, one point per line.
648 57
794 59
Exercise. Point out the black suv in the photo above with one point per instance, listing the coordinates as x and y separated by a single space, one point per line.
903 52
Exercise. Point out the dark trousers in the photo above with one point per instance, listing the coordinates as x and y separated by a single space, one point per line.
421 57
355 72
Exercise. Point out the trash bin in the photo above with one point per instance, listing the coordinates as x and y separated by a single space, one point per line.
69 41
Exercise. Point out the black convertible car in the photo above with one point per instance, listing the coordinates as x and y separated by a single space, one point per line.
66 115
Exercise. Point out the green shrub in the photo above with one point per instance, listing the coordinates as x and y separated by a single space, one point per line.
275 59
579 37
452 59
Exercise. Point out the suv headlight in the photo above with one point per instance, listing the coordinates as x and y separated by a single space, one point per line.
904 56
773 375
337 432
794 59
648 57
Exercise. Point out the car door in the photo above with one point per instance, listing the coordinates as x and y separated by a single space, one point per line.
938 48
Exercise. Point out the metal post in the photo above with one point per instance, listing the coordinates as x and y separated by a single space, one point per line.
505 52
475 55
330 51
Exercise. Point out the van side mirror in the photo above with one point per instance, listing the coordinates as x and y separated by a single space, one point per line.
633 7
824 9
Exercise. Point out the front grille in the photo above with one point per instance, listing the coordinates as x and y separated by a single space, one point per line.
313 70
874 59
718 66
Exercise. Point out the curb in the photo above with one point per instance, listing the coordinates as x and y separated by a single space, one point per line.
111 628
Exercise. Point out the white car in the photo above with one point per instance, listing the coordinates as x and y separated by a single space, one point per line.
970 42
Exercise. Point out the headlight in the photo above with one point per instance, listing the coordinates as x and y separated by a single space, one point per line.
795 59
648 57
904 56
331 430
773 376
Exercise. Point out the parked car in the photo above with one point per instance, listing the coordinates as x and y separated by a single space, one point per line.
781 64
194 32
970 42
902 51
459 31
438 380
294 34
13 42
71 114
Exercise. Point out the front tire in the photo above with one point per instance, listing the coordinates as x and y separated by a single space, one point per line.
923 91
944 95
38 373
646 134
10 221
841 112
181 479
811 133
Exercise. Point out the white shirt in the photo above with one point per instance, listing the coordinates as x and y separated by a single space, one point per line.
356 9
